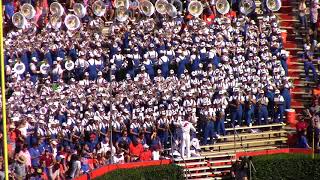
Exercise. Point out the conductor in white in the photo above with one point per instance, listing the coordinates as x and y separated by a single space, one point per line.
186 126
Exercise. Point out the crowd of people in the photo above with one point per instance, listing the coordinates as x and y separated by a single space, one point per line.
77 100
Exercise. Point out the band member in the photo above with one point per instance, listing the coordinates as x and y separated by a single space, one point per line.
262 104
279 107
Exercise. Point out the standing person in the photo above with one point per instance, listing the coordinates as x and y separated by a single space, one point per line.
279 107
302 13
185 144
308 65
314 17
262 104
20 168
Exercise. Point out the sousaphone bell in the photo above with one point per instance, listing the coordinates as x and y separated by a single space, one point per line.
79 10
195 8
161 6
122 3
56 8
55 21
122 13
222 6
18 20
247 6
99 8
273 5
146 8
72 22
28 11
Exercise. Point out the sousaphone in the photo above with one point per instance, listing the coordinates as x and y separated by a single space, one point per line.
56 8
72 22
99 8
146 8
18 20
28 11
161 6
195 8
222 6
247 6
122 3
122 13
79 10
273 5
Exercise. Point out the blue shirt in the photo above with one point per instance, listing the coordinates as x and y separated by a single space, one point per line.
35 156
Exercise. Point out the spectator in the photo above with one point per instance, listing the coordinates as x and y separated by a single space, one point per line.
146 154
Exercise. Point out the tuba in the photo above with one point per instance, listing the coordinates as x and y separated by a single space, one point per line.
79 10
72 22
146 8
171 10
99 8
56 8
122 14
161 6
55 21
18 20
247 6
178 5
28 11
273 5
223 6
122 3
195 8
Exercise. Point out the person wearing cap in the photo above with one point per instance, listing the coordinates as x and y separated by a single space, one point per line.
92 69
279 107
187 127
250 101
164 63
146 154
262 108
163 128
236 102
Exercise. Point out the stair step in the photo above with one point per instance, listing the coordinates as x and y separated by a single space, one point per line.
198 174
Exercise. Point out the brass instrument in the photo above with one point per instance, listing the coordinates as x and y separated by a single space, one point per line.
55 21
161 6
222 6
56 8
273 5
178 5
72 22
171 10
28 11
122 14
99 8
247 6
146 8
122 3
79 10
18 20
195 8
